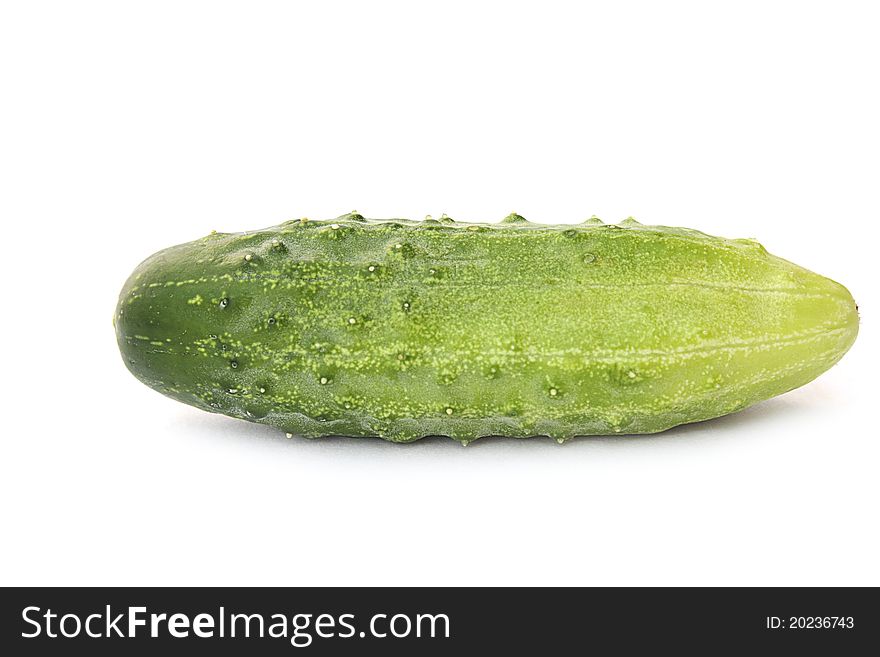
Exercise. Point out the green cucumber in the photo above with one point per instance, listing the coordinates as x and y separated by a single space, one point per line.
402 329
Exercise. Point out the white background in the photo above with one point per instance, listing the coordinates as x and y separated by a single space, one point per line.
127 127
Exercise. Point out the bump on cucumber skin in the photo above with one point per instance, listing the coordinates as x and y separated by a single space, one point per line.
403 329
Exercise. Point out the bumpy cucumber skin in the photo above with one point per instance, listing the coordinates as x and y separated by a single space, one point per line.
402 329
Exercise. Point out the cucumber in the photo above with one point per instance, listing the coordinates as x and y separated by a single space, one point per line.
403 329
